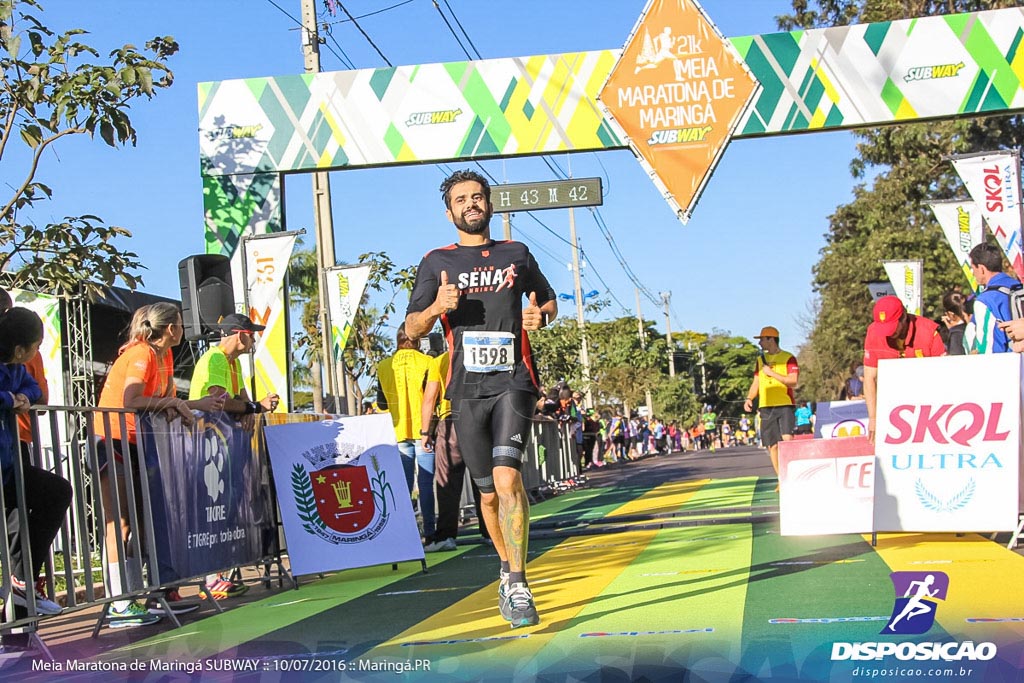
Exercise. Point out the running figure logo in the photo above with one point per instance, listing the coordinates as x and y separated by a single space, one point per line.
916 595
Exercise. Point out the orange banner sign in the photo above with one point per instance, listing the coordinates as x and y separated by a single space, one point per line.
678 91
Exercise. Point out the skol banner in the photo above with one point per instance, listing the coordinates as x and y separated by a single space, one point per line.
961 224
948 452
211 509
266 263
993 181
342 494
345 287
905 277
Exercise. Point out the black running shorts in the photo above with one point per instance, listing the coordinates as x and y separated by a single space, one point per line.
493 432
776 421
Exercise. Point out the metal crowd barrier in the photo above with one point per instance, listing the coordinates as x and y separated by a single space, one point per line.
76 557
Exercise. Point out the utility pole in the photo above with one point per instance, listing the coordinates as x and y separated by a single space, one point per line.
580 322
643 345
335 385
506 223
666 297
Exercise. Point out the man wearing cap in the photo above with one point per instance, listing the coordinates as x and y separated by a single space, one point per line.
219 372
775 376
895 334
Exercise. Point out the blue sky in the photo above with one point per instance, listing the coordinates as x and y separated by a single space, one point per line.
744 260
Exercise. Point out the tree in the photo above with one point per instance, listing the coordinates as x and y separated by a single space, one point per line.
368 344
50 89
900 167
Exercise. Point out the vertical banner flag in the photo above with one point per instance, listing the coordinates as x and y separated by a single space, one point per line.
948 453
906 280
993 181
345 286
880 289
962 226
48 309
266 263
342 494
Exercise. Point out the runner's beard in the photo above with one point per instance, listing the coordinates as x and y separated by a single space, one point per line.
475 227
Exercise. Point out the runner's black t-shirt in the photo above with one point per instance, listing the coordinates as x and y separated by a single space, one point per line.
494 280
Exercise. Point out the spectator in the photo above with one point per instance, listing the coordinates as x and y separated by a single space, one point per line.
449 467
217 371
991 306
401 379
955 317
47 496
804 419
142 378
775 377
853 387
895 334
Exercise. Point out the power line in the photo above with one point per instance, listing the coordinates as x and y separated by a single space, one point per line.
370 14
452 31
285 12
330 34
365 35
344 60
468 39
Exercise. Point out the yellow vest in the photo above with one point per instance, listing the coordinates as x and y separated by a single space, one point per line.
401 378
439 373
770 391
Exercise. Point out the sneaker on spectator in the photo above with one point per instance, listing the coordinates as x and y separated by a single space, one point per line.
235 589
135 614
221 589
439 546
175 602
43 604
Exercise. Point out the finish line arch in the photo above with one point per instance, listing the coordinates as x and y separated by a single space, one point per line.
253 131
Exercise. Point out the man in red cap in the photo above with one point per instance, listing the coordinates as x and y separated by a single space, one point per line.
775 377
895 334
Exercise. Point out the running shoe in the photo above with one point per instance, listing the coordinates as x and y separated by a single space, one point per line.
504 606
440 546
175 602
521 609
235 589
131 616
43 604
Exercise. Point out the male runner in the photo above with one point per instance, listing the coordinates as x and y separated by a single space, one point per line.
476 288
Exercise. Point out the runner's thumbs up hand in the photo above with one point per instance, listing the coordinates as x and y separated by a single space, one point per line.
532 314
447 295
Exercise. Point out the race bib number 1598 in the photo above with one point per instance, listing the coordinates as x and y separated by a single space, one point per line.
488 351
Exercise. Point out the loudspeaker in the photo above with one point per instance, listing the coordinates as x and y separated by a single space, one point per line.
206 293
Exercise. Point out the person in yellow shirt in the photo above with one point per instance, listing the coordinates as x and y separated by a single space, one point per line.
449 467
775 377
401 379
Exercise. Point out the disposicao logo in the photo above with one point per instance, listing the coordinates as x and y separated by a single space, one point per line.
913 613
